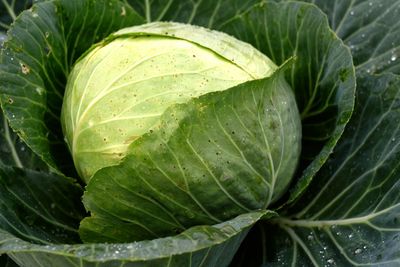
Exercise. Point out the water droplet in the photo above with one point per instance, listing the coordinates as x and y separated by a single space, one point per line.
352 13
393 139
310 237
330 261
370 3
393 58
363 35
358 251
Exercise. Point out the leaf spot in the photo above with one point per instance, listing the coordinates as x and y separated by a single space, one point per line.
24 68
123 11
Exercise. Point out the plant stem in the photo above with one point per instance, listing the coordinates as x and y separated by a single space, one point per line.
11 144
9 9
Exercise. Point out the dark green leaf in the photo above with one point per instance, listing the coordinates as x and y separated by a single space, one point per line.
41 47
208 14
6 261
200 165
322 78
9 10
40 208
370 28
14 152
212 246
350 214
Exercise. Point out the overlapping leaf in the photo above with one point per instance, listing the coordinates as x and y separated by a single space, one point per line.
322 78
38 207
370 28
198 246
350 214
370 24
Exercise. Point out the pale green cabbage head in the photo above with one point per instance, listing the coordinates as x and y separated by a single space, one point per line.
119 89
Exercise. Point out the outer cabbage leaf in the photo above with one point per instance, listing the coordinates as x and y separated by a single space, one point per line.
350 213
13 151
323 76
38 207
370 28
198 246
39 214
373 24
9 10
209 14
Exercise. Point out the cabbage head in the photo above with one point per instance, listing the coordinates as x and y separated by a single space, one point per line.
120 89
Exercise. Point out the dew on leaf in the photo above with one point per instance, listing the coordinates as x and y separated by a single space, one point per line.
330 261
